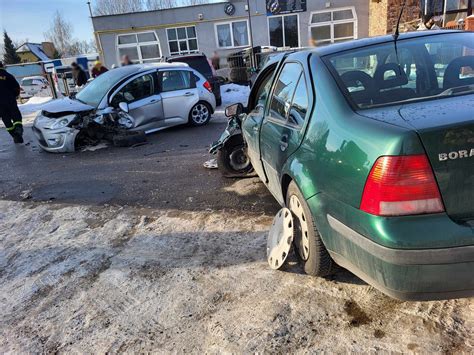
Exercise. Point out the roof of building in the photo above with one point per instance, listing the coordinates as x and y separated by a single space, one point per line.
220 2
34 48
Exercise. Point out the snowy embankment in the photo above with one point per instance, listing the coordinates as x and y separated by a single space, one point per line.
233 93
34 104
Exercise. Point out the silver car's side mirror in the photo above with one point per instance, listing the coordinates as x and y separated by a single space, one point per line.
234 110
124 107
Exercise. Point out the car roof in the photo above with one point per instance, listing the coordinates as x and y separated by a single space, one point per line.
364 42
191 55
33 77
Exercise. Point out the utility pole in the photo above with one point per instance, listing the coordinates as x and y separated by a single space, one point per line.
97 44
252 59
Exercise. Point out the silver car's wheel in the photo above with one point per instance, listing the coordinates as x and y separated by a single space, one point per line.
301 227
200 114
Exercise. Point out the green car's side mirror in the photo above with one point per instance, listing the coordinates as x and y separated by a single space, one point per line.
234 110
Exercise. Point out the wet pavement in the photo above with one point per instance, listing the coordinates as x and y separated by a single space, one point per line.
166 172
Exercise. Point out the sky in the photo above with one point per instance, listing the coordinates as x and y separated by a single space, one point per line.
29 19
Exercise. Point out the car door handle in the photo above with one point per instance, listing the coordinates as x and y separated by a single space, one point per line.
189 94
284 142
153 101
255 128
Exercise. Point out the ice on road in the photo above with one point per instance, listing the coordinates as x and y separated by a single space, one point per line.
108 279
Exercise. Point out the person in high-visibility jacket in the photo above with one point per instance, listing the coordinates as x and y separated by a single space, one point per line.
11 115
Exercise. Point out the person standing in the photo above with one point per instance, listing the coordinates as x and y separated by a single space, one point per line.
216 60
79 75
126 61
98 69
11 115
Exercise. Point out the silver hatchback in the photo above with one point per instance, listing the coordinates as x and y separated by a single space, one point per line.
142 97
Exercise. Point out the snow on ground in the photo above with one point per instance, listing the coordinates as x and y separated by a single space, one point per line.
233 93
115 279
34 104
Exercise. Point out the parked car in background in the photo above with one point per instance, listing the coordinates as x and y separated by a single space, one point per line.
34 85
141 97
371 147
200 63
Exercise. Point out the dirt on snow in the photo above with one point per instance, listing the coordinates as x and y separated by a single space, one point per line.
113 279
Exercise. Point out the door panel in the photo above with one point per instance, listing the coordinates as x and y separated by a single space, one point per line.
179 94
145 104
147 110
281 131
253 122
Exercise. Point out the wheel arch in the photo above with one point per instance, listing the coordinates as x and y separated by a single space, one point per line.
293 171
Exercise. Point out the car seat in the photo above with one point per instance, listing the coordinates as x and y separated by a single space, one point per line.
390 89
452 73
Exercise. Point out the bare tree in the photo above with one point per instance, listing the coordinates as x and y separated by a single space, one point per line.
82 47
60 33
113 7
160 4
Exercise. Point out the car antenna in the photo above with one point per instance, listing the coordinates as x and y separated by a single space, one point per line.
397 33
397 29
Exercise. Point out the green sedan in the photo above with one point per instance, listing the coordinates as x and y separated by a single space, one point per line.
370 144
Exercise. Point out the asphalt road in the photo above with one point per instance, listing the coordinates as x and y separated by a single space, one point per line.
166 173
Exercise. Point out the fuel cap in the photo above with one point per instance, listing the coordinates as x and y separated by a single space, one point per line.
280 238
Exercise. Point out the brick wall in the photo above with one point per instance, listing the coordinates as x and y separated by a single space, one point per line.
412 12
384 15
377 17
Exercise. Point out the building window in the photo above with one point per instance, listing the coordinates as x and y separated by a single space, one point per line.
140 47
182 40
283 31
333 26
232 34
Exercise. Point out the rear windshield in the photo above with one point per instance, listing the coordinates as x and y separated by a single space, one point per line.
199 63
412 70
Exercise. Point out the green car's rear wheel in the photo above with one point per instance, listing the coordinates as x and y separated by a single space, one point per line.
309 245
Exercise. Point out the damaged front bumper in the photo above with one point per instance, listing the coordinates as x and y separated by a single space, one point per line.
54 140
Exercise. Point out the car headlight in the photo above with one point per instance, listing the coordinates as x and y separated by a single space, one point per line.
62 122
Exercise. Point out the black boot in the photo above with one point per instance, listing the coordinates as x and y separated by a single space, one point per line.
17 134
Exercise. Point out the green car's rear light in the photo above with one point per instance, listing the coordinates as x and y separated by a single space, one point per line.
401 185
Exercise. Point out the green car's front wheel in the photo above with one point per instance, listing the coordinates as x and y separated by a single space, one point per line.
308 242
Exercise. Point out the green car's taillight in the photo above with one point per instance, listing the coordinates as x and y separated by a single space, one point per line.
401 185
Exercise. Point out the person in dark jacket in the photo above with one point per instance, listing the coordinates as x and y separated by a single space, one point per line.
126 61
11 115
79 75
98 69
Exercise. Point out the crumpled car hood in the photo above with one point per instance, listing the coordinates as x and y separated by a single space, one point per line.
65 106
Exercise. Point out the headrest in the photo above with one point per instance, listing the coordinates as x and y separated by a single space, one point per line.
351 78
397 76
451 74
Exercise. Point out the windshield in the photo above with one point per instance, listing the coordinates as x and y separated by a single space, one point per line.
412 70
95 91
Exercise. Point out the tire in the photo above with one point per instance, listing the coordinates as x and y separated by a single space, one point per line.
227 155
316 259
200 114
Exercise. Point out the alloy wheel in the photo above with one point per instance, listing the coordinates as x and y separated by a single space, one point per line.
200 114
301 237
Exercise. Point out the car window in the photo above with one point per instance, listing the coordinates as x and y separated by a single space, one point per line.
413 69
299 106
137 89
284 89
173 80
